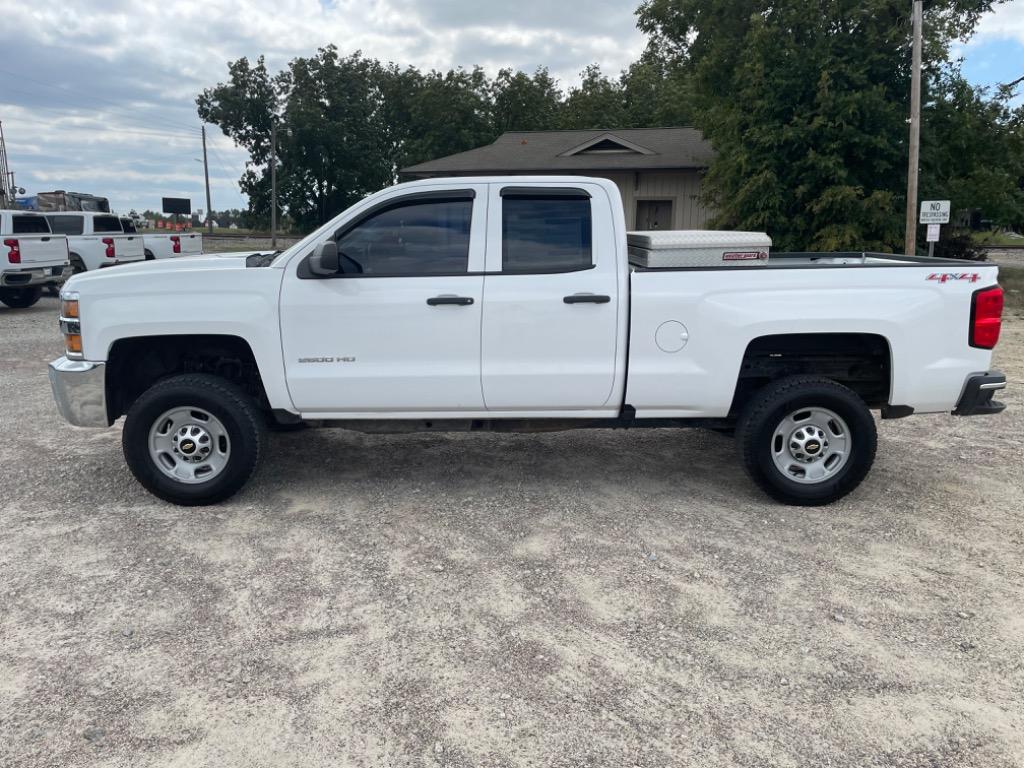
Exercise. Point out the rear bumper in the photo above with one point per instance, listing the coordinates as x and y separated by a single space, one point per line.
977 397
19 278
79 389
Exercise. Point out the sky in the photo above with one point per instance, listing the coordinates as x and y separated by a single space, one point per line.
98 96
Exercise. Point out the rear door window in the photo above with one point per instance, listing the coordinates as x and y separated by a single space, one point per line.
106 224
30 225
62 224
545 233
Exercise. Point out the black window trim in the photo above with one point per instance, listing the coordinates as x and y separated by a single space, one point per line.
433 195
514 191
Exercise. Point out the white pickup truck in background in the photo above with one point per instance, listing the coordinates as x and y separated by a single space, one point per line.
513 304
165 246
32 258
96 240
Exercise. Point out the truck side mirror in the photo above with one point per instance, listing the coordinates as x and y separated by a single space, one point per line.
324 262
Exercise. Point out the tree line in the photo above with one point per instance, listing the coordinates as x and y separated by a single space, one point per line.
806 104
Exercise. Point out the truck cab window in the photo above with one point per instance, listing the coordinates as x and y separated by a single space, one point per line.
30 225
420 237
107 224
545 234
66 225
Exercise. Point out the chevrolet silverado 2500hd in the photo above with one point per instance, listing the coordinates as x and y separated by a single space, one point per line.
511 304
32 257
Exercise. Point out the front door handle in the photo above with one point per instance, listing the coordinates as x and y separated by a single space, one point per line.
587 298
461 301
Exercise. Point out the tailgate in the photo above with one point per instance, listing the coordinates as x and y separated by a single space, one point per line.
129 248
42 250
191 244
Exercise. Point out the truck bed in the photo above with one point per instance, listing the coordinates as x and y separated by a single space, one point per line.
920 307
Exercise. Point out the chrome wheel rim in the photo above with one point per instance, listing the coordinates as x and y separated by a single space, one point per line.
189 445
811 445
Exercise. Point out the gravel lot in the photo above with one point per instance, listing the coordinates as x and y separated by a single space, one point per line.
579 599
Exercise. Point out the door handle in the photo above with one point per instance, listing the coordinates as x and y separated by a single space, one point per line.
461 301
587 298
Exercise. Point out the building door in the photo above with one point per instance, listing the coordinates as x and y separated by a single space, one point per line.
653 214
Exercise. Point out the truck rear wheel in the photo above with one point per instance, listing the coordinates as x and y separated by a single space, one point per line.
807 440
193 439
21 298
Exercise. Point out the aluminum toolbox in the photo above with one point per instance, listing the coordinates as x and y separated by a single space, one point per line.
697 248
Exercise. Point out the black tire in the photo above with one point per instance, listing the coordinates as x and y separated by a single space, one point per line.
52 289
21 298
235 410
149 255
767 410
77 265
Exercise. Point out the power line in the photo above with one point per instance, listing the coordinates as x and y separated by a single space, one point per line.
234 186
76 111
107 128
91 100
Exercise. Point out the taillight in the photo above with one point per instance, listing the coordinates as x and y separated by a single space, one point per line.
109 242
986 317
175 244
13 255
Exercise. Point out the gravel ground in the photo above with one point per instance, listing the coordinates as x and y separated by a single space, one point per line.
581 599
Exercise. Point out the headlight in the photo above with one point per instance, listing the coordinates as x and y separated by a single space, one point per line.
71 324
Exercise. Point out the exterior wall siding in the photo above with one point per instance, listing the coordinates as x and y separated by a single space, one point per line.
681 187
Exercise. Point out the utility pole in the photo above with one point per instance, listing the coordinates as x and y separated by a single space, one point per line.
7 188
206 173
273 184
910 240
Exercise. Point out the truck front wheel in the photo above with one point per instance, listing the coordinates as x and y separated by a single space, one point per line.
807 440
193 439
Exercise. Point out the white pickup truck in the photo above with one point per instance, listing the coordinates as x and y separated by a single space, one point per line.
165 246
32 257
511 304
96 240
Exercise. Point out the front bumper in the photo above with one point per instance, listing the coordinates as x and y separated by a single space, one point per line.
79 388
977 397
20 278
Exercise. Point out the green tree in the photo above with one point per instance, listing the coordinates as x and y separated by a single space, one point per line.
597 102
656 92
806 104
520 102
972 150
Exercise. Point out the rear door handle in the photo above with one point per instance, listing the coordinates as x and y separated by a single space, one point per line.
462 301
587 298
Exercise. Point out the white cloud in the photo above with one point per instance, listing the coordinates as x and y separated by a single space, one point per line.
98 91
1006 22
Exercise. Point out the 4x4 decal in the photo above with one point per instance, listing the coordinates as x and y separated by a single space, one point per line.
945 277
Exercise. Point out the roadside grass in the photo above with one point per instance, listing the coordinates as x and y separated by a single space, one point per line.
993 238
